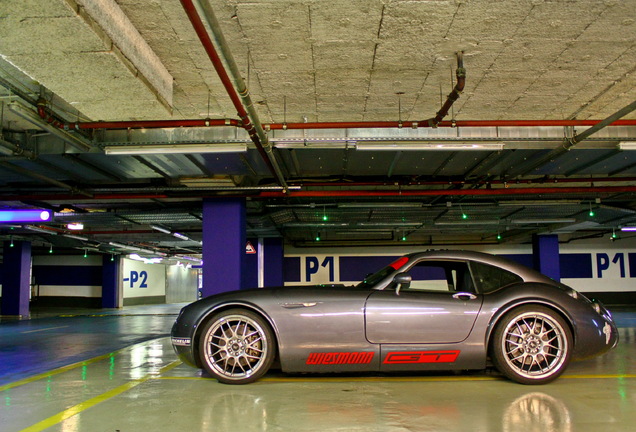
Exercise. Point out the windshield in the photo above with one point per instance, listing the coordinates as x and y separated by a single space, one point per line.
376 277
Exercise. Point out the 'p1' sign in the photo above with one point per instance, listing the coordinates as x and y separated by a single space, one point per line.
313 266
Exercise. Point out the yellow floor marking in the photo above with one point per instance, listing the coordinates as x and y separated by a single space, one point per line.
58 371
44 329
74 410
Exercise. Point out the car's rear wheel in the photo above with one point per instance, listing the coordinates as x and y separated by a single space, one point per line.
532 345
237 346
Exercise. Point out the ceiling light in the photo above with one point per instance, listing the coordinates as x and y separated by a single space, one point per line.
72 236
38 229
464 223
25 215
180 236
629 229
383 205
161 229
75 226
542 221
627 145
409 146
175 149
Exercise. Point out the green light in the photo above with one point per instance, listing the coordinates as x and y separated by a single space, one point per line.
325 218
592 213
85 254
51 249
403 238
317 238
464 216
498 236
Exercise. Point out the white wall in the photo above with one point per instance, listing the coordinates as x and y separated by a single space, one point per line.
142 280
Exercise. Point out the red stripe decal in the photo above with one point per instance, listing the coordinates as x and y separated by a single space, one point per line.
330 358
397 264
407 357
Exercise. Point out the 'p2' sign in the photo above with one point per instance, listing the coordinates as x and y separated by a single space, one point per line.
141 277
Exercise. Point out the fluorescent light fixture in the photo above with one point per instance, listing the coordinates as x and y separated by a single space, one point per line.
135 248
383 205
75 226
38 229
72 236
180 236
629 229
313 145
153 260
160 229
189 258
175 149
627 145
25 216
409 146
215 181
542 221
467 222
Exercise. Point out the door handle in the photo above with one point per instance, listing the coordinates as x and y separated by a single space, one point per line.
464 296
298 305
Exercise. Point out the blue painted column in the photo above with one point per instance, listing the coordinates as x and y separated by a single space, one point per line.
224 241
110 282
545 255
265 267
16 275
271 262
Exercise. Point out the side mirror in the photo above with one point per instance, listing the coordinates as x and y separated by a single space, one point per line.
403 281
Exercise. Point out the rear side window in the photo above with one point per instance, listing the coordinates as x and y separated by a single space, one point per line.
489 278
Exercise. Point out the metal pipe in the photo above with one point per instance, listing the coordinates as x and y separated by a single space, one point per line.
44 178
158 124
239 83
569 143
237 100
52 126
453 95
152 124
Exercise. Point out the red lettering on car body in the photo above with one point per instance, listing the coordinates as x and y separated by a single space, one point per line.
407 357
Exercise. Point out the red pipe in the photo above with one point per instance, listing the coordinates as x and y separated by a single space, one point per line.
458 123
202 32
356 193
445 192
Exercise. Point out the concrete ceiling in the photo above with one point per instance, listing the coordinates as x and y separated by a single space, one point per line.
321 61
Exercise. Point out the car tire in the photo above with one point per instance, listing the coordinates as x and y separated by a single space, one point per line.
237 346
531 345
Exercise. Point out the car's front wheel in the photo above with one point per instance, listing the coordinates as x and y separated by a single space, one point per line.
237 346
531 345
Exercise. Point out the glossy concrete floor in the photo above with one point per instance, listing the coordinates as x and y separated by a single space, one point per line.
116 371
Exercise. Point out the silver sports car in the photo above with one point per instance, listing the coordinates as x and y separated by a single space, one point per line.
435 310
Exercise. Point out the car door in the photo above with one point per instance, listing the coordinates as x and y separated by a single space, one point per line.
440 306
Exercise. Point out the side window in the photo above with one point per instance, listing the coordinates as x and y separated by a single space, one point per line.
489 278
441 276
